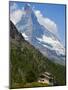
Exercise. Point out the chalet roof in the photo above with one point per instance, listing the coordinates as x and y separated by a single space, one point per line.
46 75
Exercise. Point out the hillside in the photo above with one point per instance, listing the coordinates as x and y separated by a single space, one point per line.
27 63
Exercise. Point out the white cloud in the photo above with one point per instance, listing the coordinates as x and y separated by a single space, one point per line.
15 13
29 4
13 7
16 16
46 22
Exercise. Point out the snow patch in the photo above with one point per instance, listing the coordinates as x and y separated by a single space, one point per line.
56 45
25 36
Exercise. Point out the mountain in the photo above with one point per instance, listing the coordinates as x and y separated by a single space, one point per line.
42 39
27 63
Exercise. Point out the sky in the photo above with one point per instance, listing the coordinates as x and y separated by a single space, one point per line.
51 16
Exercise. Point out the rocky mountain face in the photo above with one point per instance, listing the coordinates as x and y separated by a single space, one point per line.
42 39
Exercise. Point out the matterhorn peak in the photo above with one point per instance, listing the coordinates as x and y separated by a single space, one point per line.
27 7
46 42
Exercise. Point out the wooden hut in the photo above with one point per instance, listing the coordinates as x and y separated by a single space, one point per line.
46 77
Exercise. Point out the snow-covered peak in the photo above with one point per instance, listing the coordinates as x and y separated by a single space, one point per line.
28 8
38 31
56 45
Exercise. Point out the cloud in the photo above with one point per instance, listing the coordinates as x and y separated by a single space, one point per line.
13 7
16 16
16 13
29 4
46 22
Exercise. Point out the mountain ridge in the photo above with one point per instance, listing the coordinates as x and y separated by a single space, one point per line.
34 32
